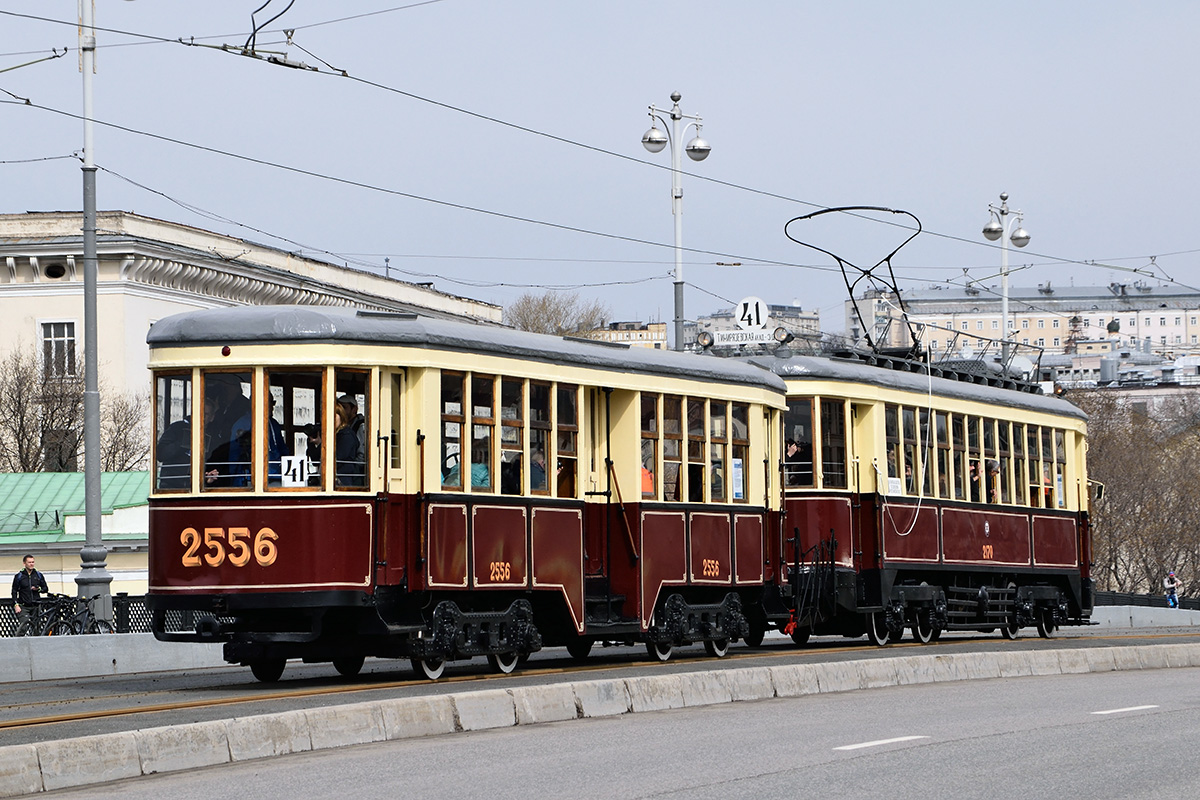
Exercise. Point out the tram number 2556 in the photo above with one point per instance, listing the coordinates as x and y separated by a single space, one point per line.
501 570
710 568
234 544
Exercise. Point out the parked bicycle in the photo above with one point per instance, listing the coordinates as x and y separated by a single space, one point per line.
80 618
45 614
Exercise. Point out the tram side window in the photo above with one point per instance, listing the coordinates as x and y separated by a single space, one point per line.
293 429
942 431
1005 451
798 444
567 415
483 420
739 434
512 437
539 436
227 430
833 444
672 446
695 449
1036 496
173 432
1020 477
975 456
397 389
1060 466
718 427
926 453
962 470
351 444
909 419
649 446
1048 467
452 428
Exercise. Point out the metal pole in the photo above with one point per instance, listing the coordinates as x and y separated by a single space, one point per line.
677 210
94 577
1005 336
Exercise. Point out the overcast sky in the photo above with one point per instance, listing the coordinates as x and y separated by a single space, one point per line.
1084 112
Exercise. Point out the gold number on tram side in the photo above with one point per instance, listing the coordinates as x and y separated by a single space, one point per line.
190 539
988 552
710 568
212 540
501 570
264 549
239 554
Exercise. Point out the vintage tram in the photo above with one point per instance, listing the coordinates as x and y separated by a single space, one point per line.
333 484
927 497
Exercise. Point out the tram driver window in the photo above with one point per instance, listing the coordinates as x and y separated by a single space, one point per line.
228 430
293 429
798 444
173 432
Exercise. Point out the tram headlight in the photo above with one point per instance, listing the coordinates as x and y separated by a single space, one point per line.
783 335
704 339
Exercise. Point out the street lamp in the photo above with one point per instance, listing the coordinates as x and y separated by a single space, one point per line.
999 227
697 149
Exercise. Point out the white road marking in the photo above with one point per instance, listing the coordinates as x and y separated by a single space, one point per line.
879 742
1123 710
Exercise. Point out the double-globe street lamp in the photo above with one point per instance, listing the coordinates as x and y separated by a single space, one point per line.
697 149
1000 227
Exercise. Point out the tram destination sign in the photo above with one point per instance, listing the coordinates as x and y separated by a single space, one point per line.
730 338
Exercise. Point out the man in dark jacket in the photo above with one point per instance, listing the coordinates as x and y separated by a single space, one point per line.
28 584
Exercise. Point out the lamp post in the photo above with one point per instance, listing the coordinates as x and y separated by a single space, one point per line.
1000 227
93 577
697 149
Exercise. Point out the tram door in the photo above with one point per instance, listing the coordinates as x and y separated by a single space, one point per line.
866 549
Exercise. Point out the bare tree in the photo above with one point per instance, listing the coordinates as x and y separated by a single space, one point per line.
41 420
556 313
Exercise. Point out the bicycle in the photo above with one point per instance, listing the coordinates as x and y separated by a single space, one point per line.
81 619
44 615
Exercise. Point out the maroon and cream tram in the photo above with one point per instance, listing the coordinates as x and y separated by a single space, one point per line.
929 499
333 484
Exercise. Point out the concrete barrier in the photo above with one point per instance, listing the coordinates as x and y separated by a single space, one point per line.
44 658
46 766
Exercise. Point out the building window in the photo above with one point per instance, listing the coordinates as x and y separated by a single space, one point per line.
1193 320
1147 322
979 325
1041 342
1193 338
1162 321
1041 323
995 324
1178 339
1133 322
1025 341
58 349
1054 324
964 325
1178 320
1056 344
1163 339
1024 323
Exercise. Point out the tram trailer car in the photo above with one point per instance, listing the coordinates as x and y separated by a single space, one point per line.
331 485
927 499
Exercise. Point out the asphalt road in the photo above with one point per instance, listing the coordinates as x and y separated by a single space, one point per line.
234 692
1098 735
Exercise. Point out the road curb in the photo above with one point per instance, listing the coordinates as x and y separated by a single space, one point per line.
46 766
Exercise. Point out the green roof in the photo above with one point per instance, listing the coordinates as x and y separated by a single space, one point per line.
38 503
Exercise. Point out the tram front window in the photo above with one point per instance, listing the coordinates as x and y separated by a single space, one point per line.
293 429
173 432
228 430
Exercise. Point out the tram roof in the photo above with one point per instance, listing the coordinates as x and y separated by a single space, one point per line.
819 368
318 324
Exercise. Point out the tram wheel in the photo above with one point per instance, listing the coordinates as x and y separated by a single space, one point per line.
659 651
717 648
755 637
923 628
877 629
430 668
1045 624
579 648
504 663
348 665
800 635
268 670
1011 630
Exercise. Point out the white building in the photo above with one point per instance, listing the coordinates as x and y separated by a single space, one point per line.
149 269
1136 316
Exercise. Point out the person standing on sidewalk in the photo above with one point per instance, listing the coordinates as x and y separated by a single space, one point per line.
27 585
1173 587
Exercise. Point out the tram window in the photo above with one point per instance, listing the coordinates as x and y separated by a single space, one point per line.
798 444
991 462
452 427
717 438
351 450
1048 466
649 446
833 444
483 420
1020 477
910 449
173 432
394 438
695 449
567 416
958 443
1060 464
539 436
942 431
926 454
512 437
293 429
1002 440
1035 468
228 430
672 446
976 469
739 434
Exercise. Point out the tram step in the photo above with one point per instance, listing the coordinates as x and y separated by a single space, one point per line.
604 608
